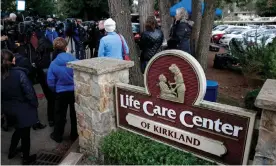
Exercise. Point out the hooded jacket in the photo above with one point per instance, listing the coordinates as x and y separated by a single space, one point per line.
19 97
59 76
180 35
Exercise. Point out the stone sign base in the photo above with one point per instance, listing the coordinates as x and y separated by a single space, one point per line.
266 147
94 92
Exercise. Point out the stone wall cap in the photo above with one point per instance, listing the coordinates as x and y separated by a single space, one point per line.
100 65
267 96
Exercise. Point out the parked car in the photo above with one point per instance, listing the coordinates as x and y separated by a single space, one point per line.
270 39
136 31
257 37
220 29
217 35
268 27
226 38
260 36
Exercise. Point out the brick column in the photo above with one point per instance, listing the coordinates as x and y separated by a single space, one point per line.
95 98
266 147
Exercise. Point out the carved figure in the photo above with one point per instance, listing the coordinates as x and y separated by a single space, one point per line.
179 83
165 91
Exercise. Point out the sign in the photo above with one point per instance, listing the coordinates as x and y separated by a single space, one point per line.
170 109
20 5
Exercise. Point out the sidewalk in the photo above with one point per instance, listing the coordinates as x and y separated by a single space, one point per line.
40 139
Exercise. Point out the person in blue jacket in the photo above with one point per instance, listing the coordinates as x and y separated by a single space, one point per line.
111 45
50 32
60 80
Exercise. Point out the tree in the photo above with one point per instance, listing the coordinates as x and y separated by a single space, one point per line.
196 18
146 8
166 19
87 9
120 12
205 33
41 7
8 6
266 8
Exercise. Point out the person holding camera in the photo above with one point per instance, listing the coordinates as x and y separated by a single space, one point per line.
79 37
9 32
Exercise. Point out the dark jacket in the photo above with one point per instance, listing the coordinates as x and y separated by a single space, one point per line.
79 34
44 49
150 43
19 98
23 62
180 36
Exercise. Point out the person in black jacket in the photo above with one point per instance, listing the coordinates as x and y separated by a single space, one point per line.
99 34
18 100
181 32
45 56
150 42
23 62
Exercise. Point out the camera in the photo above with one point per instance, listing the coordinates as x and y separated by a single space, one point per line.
70 25
60 28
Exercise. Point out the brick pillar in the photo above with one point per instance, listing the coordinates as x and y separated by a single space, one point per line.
266 147
95 98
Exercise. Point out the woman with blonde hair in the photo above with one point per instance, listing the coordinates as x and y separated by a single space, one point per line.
181 31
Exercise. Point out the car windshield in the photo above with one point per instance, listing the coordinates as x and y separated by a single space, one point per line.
135 28
269 32
237 32
229 31
220 28
254 34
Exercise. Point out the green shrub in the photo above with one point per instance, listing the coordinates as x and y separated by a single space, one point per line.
255 59
125 148
249 100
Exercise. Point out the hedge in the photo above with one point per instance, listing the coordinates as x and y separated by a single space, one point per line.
125 148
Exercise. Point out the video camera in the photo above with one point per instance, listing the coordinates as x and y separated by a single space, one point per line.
70 25
60 28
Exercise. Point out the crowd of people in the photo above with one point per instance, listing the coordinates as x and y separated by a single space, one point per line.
19 103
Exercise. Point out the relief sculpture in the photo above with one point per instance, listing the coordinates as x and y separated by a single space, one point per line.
172 91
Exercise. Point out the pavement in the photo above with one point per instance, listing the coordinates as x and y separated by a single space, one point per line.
40 139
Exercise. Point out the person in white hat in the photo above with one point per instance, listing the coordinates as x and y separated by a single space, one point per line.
112 45
13 17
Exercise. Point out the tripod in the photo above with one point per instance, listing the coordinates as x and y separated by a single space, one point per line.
71 41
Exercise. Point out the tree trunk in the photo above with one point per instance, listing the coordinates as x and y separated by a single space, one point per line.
196 18
120 12
146 8
205 33
166 19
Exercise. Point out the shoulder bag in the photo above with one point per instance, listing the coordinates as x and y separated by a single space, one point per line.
125 55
